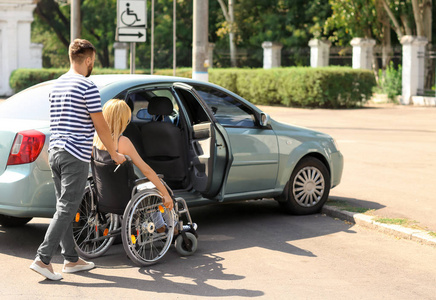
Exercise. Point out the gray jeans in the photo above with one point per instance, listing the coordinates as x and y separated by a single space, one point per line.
69 176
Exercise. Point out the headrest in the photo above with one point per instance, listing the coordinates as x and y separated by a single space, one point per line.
160 106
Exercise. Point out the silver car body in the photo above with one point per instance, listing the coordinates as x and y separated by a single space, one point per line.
261 159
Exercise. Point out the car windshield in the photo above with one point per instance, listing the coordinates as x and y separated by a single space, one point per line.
31 103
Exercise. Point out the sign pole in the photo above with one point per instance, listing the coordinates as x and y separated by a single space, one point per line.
132 57
174 37
152 38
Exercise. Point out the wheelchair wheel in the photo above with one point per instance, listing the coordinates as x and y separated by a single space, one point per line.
91 228
143 215
184 249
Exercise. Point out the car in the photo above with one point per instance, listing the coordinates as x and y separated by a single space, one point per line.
210 145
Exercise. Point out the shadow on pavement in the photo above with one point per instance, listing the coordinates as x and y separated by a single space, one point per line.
222 228
357 202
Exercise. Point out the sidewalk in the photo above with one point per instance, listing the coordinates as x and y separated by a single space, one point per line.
367 221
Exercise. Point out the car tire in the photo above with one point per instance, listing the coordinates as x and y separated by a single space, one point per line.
8 221
308 188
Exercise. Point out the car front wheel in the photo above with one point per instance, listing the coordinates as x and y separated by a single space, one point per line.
308 188
8 221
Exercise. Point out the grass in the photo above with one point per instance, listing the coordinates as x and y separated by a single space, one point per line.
344 205
402 222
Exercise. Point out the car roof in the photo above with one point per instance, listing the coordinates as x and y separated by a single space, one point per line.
105 80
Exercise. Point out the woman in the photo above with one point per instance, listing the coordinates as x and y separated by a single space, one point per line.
117 115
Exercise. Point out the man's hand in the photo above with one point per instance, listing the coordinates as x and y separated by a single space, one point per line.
118 158
168 202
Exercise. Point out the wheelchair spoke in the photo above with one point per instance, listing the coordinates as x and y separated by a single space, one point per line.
141 220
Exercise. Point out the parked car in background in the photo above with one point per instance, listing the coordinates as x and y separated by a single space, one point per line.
209 143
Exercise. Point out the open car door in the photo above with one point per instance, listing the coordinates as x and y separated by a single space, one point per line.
209 150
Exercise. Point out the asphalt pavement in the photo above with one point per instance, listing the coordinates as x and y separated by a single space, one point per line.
389 157
252 249
245 250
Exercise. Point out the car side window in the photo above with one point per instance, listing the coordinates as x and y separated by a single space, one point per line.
227 110
138 102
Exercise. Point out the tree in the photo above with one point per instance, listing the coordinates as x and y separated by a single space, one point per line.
230 27
413 17
410 17
360 18
289 22
52 28
352 18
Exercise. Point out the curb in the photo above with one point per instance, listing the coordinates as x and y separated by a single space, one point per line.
420 236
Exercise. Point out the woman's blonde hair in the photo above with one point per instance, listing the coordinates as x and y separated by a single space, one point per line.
117 115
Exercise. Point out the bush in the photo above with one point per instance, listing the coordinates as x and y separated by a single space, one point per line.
329 87
390 82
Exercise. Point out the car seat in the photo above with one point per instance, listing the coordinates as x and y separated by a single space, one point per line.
163 143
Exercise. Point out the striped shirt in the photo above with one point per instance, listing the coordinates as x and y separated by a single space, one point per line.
72 100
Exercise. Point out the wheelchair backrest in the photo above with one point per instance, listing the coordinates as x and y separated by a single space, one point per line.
113 189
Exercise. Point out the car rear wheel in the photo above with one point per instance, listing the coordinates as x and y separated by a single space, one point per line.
8 221
308 188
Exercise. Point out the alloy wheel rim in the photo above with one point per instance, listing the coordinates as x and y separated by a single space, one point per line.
308 186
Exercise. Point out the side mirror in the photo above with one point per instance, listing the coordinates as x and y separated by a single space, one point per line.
265 121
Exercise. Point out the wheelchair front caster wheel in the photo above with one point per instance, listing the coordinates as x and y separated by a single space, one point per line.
186 248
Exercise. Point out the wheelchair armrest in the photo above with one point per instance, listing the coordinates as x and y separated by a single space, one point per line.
141 180
145 179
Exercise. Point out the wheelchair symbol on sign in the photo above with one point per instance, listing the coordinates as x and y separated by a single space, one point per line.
128 17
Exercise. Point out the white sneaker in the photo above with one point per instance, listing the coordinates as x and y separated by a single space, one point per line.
80 265
44 270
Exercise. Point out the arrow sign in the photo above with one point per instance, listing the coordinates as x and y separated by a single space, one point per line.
139 34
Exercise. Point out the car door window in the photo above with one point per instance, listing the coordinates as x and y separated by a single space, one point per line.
138 102
227 110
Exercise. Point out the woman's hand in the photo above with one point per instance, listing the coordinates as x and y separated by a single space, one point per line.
168 202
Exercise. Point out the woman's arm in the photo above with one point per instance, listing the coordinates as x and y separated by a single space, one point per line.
126 147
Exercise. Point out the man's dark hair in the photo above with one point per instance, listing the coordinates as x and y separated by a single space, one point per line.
80 49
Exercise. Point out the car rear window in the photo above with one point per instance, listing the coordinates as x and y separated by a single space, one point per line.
31 103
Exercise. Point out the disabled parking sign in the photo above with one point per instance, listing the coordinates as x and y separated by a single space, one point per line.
131 21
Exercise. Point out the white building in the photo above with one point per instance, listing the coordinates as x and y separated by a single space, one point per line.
16 50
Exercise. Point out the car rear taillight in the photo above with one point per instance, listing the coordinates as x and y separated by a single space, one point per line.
26 147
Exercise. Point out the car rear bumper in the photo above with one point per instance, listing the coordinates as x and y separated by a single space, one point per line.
27 191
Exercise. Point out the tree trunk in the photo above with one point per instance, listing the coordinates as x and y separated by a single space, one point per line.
386 46
427 19
232 36
229 16
394 20
418 18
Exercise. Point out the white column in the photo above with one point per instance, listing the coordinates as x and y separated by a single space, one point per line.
362 53
319 53
16 50
272 55
413 66
120 55
200 42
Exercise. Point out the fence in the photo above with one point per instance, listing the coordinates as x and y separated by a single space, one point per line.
339 56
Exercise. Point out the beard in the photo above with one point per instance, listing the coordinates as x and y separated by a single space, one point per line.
89 71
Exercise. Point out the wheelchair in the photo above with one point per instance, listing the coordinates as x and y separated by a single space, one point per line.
115 203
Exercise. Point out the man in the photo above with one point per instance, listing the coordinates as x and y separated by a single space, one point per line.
75 114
